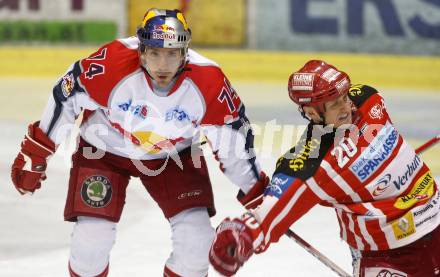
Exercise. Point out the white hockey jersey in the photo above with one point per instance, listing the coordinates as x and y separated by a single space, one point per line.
124 116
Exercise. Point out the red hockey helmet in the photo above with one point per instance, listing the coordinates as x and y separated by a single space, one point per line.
316 83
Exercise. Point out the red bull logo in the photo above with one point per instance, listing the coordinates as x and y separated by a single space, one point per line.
152 142
67 85
163 36
164 28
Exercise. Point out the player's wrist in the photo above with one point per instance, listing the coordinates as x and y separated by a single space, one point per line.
37 142
254 196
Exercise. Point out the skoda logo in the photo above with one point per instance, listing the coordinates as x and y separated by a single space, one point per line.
96 191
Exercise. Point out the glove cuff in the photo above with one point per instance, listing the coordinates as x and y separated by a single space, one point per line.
38 141
254 197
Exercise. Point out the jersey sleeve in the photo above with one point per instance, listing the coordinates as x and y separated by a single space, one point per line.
64 105
222 101
286 199
87 85
288 196
359 94
103 70
229 132
233 147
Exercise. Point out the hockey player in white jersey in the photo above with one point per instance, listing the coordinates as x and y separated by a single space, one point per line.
350 158
145 101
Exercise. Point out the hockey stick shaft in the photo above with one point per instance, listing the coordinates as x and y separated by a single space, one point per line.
422 148
321 257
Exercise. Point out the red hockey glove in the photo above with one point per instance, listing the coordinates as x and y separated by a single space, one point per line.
254 197
233 244
28 169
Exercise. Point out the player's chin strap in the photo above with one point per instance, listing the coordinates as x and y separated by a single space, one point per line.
303 113
324 259
305 116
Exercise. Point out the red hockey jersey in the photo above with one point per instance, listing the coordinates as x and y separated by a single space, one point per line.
383 193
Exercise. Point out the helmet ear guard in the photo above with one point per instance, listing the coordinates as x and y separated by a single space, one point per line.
306 116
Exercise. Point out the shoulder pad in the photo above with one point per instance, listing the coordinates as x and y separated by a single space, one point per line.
304 159
222 101
67 85
105 68
360 93
196 58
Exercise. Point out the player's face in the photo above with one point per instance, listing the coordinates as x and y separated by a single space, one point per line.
338 111
163 64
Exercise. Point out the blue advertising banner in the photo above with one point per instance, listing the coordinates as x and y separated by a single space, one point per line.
378 26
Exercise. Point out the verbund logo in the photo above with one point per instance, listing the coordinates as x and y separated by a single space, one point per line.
376 153
382 186
410 170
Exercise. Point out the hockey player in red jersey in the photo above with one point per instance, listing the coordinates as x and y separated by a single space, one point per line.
145 101
350 158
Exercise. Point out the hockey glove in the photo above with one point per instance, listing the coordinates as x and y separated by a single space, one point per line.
233 244
254 197
28 169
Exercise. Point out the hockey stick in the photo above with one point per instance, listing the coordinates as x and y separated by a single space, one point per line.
315 252
422 148
321 257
